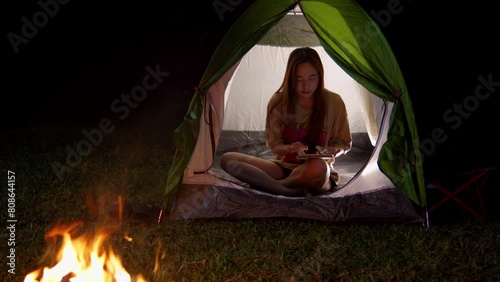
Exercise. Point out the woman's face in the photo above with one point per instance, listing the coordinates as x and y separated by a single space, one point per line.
307 79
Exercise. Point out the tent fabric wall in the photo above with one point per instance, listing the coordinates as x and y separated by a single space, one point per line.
341 27
259 75
211 124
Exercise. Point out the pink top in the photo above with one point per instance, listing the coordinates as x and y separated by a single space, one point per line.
283 128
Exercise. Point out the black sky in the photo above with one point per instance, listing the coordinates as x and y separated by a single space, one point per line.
90 52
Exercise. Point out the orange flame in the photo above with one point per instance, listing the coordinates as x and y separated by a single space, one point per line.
82 259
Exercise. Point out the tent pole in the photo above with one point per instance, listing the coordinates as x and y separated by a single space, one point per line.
426 214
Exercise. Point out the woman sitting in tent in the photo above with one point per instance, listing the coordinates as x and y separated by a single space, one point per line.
301 116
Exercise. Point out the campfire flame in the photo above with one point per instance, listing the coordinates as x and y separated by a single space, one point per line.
84 258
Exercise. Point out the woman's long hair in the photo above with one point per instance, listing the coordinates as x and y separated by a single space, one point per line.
288 94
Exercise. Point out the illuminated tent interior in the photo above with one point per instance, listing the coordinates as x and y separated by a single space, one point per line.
228 113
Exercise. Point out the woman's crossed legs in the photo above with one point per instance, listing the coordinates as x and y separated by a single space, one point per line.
269 176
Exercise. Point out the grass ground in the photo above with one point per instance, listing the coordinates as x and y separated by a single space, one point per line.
134 164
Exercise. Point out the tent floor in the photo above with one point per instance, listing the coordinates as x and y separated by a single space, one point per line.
210 201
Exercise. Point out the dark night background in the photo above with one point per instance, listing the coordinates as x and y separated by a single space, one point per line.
90 52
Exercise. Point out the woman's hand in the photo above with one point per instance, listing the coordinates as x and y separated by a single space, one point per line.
334 151
296 147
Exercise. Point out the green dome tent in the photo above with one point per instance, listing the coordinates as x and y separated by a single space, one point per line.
388 184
